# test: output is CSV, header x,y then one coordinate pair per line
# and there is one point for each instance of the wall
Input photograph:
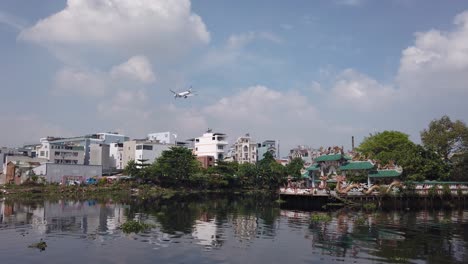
x,y
55,172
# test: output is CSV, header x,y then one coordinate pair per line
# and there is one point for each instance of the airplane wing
x,y
172,91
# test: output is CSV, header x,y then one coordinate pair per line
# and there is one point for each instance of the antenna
x,y
278,150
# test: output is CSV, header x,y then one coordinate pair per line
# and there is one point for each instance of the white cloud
x,y
123,26
437,63
350,2
85,82
136,68
82,82
27,129
358,91
12,21
234,49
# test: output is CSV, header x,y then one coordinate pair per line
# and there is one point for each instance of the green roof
x,y
384,173
332,157
357,165
305,174
440,182
314,167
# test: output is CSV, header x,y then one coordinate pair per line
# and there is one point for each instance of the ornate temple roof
x,y
332,157
384,173
357,165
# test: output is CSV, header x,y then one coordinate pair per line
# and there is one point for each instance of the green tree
x,y
446,137
248,175
294,168
131,169
177,165
418,163
385,146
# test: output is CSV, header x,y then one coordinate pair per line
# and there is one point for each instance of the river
x,y
226,229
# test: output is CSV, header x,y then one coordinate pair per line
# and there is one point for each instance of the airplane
x,y
183,94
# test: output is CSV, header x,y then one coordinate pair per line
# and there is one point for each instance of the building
x,y
206,161
245,150
266,146
59,152
100,155
307,154
61,173
332,163
116,154
163,137
142,151
83,141
210,144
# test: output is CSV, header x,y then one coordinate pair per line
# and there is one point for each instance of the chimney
x,y
352,143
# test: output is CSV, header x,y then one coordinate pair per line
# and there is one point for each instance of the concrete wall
x,y
55,172
100,155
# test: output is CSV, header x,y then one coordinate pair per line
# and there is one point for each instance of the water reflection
x,y
232,229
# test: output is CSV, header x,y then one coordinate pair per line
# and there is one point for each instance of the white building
x,y
245,150
266,146
100,155
163,137
112,137
210,144
60,153
116,154
142,151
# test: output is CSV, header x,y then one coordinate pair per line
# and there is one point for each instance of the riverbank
x,y
116,191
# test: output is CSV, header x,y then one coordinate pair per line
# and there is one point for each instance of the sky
x,y
303,72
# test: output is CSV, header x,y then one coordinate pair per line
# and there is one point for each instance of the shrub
x,y
134,226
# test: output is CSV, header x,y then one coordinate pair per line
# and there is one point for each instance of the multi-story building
x,y
60,153
116,154
266,146
100,155
210,144
163,137
84,141
307,154
142,151
245,150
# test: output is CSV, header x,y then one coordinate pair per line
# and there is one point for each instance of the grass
x,y
320,218
133,226
369,206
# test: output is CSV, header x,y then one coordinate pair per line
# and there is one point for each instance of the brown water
x,y
226,230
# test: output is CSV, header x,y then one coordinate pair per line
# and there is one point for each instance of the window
x,y
220,147
213,138
196,149
147,147
138,147
197,140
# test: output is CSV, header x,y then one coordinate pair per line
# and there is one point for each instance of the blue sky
x,y
303,72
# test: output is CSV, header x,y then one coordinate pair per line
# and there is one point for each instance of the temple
x,y
334,166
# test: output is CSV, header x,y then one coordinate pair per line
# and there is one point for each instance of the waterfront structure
x,y
266,146
245,150
143,151
210,144
61,173
333,165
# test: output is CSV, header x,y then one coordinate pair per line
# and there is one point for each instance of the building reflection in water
x,y
76,217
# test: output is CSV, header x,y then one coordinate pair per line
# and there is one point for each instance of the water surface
x,y
226,229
